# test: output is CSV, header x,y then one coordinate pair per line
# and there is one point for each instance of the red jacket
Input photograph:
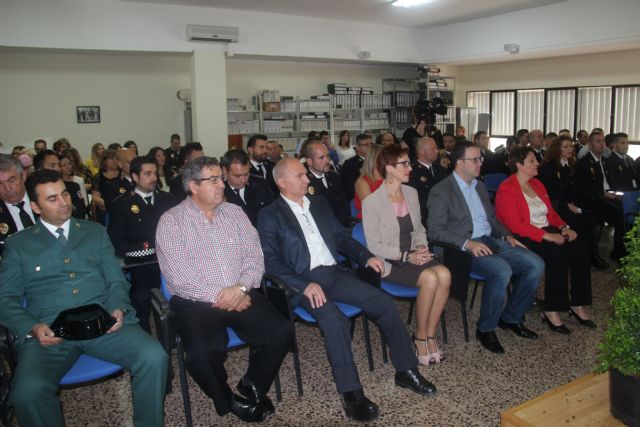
x,y
512,209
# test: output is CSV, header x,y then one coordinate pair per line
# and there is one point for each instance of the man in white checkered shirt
x,y
211,258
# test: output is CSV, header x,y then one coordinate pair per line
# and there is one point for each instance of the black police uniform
x,y
333,193
79,208
7,224
423,179
132,229
589,182
175,187
173,159
255,174
623,173
349,173
257,195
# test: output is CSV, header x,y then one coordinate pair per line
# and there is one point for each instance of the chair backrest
x,y
493,180
352,207
357,232
163,286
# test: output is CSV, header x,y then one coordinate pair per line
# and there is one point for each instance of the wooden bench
x,y
582,402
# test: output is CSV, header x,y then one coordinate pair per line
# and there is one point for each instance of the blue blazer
x,y
286,255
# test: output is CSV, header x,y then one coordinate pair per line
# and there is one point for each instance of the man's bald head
x,y
124,157
283,167
427,150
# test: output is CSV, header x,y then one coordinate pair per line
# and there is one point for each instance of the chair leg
x,y
410,316
473,296
385,358
443,325
296,363
183,382
353,327
465,326
367,340
276,384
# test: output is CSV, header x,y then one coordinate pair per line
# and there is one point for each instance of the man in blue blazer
x,y
301,239
57,264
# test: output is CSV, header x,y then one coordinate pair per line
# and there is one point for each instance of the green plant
x,y
620,348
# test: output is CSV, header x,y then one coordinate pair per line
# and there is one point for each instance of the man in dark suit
x,y
460,213
57,264
48,159
325,182
300,240
351,168
15,207
594,185
132,229
190,151
251,196
426,172
260,167
172,153
536,141
622,170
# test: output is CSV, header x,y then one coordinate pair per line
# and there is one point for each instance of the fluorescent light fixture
x,y
409,3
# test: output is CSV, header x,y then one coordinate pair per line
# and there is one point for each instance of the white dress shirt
x,y
15,212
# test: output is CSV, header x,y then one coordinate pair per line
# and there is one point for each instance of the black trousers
x,y
610,211
583,224
570,259
143,279
340,285
202,328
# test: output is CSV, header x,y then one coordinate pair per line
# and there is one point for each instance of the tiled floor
x,y
474,386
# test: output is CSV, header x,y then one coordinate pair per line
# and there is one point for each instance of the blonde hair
x,y
369,165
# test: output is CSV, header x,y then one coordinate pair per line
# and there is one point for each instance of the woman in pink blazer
x,y
524,207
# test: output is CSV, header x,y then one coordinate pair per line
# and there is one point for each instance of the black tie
x,y
260,169
149,199
61,237
237,191
430,169
24,216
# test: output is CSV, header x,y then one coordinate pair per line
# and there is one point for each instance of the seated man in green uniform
x,y
57,264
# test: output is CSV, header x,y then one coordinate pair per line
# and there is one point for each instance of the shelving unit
x,y
298,116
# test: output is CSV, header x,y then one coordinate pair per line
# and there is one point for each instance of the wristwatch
x,y
244,289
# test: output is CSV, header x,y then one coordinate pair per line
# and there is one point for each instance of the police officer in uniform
x,y
250,195
324,182
426,171
260,168
594,184
350,171
132,229
15,207
624,176
172,153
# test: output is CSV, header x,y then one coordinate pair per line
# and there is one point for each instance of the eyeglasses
x,y
215,179
473,159
404,163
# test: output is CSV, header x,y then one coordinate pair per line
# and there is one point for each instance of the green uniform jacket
x,y
52,276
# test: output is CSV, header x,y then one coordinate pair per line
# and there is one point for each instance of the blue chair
x,y
279,293
630,206
396,291
162,313
492,181
352,208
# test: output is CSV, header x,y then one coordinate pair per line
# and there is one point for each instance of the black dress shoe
x,y
414,381
246,410
599,263
561,329
584,322
519,329
489,340
247,388
358,407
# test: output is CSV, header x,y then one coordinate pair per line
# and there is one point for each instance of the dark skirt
x,y
407,274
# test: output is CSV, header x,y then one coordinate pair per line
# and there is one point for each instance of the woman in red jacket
x,y
524,207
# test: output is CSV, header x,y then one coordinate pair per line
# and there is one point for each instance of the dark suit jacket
x,y
623,174
175,187
334,194
589,179
132,226
286,255
254,175
423,181
79,208
559,182
257,195
7,224
450,219
350,172
54,277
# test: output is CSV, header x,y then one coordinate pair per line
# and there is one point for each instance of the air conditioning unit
x,y
211,33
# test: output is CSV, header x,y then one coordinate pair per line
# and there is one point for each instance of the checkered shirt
x,y
199,258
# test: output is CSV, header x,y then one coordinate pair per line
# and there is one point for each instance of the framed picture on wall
x,y
88,114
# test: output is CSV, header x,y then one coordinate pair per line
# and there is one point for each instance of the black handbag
x,y
82,323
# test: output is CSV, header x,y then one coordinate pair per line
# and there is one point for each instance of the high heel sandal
x,y
437,355
423,359
584,322
561,329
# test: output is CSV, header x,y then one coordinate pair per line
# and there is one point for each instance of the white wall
x,y
246,77
136,93
612,68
